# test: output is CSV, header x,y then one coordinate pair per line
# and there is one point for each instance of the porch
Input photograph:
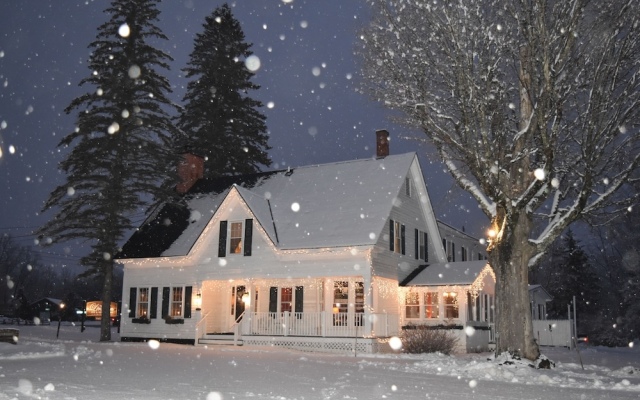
x,y
311,331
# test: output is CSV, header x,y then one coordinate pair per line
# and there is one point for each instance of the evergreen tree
x,y
121,144
572,275
222,121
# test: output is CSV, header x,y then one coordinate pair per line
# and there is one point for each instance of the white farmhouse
x,y
333,257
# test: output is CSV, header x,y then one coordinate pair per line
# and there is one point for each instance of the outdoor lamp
x,y
198,300
246,299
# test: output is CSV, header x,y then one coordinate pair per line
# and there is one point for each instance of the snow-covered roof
x,y
329,205
449,273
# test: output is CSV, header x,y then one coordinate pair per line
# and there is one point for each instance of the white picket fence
x,y
553,332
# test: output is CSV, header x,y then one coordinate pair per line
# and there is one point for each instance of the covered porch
x,y
294,310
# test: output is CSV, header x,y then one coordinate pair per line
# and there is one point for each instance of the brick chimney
x,y
382,143
190,169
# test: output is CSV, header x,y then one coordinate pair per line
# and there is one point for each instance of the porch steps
x,y
219,340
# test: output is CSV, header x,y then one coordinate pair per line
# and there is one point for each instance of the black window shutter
x,y
153,313
402,238
187,301
453,252
417,253
166,292
222,240
132,302
426,246
391,237
299,300
273,299
248,235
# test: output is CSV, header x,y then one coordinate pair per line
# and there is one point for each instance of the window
x,y
431,305
396,237
176,302
407,186
235,237
143,303
449,249
450,304
340,302
286,299
422,251
412,305
359,303
463,253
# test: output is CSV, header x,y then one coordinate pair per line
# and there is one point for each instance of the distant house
x,y
539,297
46,309
332,257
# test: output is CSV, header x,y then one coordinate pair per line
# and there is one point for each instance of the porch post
x,y
368,305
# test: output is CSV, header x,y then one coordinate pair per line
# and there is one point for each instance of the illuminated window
x,y
143,302
340,302
286,299
450,304
412,305
176,302
431,305
359,303
235,238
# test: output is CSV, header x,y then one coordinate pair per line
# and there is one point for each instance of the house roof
x,y
328,205
540,289
449,273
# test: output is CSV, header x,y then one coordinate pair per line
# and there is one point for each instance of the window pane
x,y
396,237
143,302
235,240
176,302
340,302
412,305
431,305
450,305
286,297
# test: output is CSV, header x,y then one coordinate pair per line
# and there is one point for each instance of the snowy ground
x,y
75,366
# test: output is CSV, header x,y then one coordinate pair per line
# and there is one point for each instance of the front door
x,y
237,304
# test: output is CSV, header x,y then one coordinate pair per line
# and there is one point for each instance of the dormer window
x,y
235,237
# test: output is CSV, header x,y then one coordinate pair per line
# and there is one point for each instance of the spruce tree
x,y
222,122
573,275
120,158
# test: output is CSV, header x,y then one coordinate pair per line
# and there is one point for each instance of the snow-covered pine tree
x,y
571,274
219,118
120,158
534,108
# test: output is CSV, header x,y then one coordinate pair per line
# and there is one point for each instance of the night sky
x,y
308,72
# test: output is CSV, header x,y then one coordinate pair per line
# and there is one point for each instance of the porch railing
x,y
319,324
201,327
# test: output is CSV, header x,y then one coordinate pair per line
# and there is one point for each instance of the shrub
x,y
426,339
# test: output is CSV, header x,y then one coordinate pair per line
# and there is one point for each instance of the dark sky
x,y
308,71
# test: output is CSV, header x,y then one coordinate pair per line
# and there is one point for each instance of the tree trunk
x,y
509,258
107,288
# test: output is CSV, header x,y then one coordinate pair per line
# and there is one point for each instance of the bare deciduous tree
x,y
533,107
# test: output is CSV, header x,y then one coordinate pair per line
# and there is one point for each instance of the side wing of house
x,y
459,246
410,236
